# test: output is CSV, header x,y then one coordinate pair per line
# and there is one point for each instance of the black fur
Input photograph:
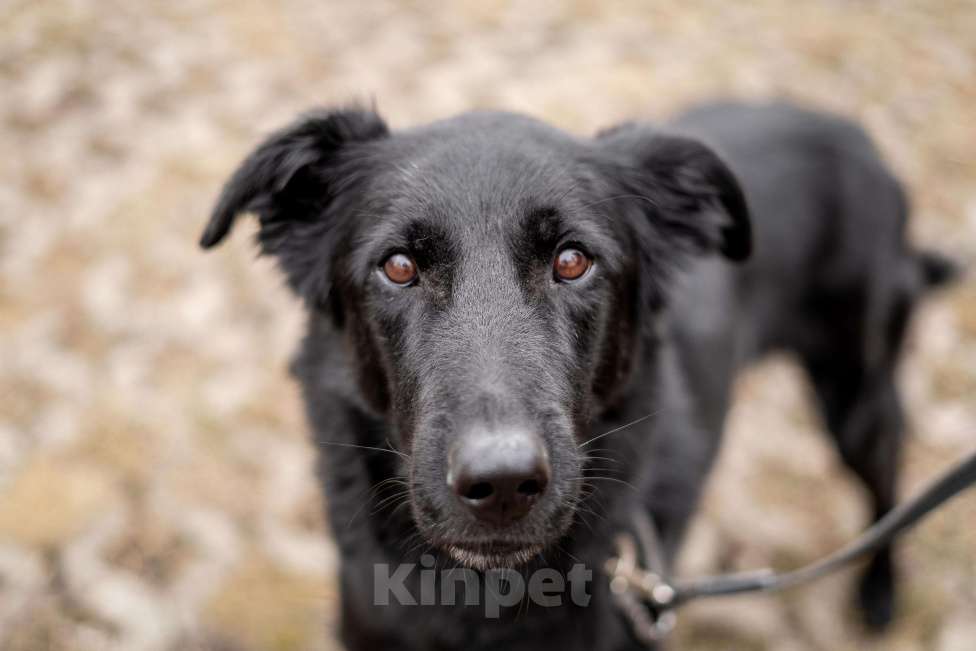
x,y
487,335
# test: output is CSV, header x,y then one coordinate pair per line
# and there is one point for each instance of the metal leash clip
x,y
644,596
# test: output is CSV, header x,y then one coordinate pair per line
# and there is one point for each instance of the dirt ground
x,y
155,483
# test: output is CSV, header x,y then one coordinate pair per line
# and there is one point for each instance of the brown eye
x,y
400,269
571,264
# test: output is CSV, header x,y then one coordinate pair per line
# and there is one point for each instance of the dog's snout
x,y
499,476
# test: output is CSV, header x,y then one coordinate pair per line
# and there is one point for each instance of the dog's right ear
x,y
299,182
263,184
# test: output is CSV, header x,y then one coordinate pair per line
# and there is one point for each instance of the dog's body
x,y
831,278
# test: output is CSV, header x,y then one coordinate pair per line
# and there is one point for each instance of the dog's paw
x,y
876,593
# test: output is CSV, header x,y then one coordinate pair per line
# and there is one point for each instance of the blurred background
x,y
155,480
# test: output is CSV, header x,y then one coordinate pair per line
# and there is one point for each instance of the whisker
x,y
587,510
412,543
371,492
580,516
602,469
422,543
613,479
592,457
617,429
563,550
365,447
392,449
609,451
405,502
390,499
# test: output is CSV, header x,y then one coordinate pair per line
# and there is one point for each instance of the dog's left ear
x,y
696,200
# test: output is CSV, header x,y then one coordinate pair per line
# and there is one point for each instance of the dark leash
x,y
648,598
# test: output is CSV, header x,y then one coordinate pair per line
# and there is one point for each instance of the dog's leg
x,y
864,415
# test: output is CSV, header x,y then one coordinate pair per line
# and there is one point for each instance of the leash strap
x,y
661,596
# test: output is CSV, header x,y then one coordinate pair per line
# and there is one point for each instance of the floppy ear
x,y
693,199
294,182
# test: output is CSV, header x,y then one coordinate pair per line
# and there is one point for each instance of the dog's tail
x,y
935,270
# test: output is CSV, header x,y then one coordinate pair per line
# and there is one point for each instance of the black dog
x,y
487,296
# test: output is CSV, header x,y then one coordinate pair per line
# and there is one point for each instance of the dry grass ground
x,y
155,485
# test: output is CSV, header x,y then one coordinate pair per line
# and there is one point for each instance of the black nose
x,y
499,476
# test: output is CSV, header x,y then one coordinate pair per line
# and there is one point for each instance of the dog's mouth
x,y
493,554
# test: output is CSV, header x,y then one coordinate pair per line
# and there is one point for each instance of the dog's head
x,y
491,276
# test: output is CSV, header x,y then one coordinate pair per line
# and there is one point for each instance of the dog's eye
x,y
400,269
571,264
